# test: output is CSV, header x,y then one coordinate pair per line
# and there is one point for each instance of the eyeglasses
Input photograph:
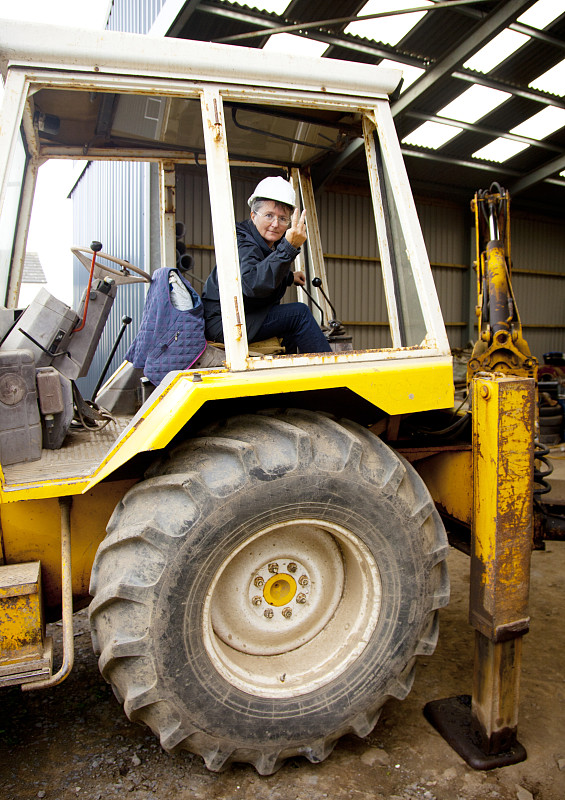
x,y
274,217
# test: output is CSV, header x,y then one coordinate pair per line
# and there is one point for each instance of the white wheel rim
x,y
291,608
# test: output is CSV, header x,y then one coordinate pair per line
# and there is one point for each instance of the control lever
x,y
125,322
317,282
320,309
336,326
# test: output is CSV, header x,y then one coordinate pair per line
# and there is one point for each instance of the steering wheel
x,y
123,275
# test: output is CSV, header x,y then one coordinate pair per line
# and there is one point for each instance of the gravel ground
x,y
74,741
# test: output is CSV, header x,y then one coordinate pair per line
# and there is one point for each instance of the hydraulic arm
x,y
500,345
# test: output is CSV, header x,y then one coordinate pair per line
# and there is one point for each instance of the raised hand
x,y
296,234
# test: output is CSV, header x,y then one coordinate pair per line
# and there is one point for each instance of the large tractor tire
x,y
267,588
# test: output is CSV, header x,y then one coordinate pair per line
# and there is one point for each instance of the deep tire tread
x,y
247,446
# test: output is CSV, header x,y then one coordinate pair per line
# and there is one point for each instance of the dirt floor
x,y
74,741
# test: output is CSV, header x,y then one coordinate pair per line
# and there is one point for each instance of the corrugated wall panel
x,y
193,208
447,228
111,200
133,16
538,247
355,282
354,275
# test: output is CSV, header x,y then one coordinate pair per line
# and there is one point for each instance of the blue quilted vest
x,y
168,339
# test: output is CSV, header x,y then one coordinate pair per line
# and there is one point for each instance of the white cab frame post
x,y
416,249
167,199
223,226
369,130
18,257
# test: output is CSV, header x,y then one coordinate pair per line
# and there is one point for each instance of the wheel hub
x,y
267,602
291,608
285,592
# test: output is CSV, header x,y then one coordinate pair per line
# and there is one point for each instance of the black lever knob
x,y
96,246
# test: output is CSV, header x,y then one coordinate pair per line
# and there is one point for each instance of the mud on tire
x,y
267,588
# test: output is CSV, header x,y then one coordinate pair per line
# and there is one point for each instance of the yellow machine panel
x,y
24,655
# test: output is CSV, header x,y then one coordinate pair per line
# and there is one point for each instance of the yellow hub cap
x,y
280,589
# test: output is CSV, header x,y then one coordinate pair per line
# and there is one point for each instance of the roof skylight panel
x,y
294,45
542,13
473,104
270,6
432,135
388,30
500,150
541,124
496,51
552,81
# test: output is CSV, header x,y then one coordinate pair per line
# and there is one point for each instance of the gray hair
x,y
259,202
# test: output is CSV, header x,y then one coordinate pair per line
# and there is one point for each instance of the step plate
x,y
28,670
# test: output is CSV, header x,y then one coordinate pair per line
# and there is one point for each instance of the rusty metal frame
x,y
483,728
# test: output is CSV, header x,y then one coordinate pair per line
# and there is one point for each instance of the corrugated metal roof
x,y
431,45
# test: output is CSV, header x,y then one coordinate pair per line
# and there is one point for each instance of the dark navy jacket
x,y
265,276
168,339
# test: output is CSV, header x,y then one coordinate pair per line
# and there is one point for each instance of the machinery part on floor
x,y
289,524
501,346
550,418
65,504
503,448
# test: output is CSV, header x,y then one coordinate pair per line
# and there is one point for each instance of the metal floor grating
x,y
79,456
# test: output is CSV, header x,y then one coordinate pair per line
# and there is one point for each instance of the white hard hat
x,y
274,189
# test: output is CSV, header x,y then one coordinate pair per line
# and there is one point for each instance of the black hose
x,y
540,475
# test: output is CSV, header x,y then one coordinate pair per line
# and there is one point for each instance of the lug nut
x,y
287,613
257,600
268,612
259,581
273,567
303,580
291,567
300,598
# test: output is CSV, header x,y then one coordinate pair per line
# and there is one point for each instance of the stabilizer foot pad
x,y
452,719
